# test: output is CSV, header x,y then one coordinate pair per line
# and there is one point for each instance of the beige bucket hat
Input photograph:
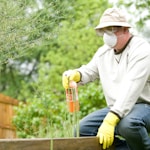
x,y
111,17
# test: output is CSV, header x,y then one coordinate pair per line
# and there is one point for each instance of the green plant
x,y
44,116
91,98
74,45
38,116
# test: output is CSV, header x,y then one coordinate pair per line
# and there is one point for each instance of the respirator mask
x,y
110,39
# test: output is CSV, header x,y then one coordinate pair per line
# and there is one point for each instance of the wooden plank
x,y
8,100
7,129
81,143
7,133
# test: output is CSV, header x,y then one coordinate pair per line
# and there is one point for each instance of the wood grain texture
x,y
7,129
81,143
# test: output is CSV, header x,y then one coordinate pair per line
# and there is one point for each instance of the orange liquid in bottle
x,y
72,97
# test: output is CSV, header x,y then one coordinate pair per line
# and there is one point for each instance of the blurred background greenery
x,y
40,39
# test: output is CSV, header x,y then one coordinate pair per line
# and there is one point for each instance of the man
x,y
123,66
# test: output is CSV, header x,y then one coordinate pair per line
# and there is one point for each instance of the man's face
x,y
121,36
119,32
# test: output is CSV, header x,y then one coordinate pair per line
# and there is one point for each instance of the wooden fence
x,y
7,130
81,143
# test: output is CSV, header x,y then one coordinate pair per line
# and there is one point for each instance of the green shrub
x,y
44,116
91,98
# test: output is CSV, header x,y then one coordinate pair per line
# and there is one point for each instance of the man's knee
x,y
129,125
87,129
82,130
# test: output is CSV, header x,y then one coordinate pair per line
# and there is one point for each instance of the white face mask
x,y
110,39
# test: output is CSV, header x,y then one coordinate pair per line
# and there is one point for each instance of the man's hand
x,y
70,75
106,130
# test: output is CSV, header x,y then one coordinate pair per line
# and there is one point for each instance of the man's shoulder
x,y
139,45
102,50
137,40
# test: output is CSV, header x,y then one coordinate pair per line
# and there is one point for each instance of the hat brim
x,y
108,24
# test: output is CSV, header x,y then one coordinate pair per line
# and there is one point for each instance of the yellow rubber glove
x,y
106,130
70,75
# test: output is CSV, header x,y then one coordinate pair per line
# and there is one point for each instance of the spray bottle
x,y
72,97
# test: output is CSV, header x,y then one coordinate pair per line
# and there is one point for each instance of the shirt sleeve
x,y
90,71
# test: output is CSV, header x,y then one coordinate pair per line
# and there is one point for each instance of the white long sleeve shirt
x,y
125,77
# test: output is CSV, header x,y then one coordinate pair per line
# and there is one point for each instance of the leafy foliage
x,y
38,43
72,46
26,30
40,116
91,98
139,14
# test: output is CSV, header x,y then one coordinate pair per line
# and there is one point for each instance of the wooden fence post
x,y
7,130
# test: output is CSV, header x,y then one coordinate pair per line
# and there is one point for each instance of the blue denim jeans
x,y
134,127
